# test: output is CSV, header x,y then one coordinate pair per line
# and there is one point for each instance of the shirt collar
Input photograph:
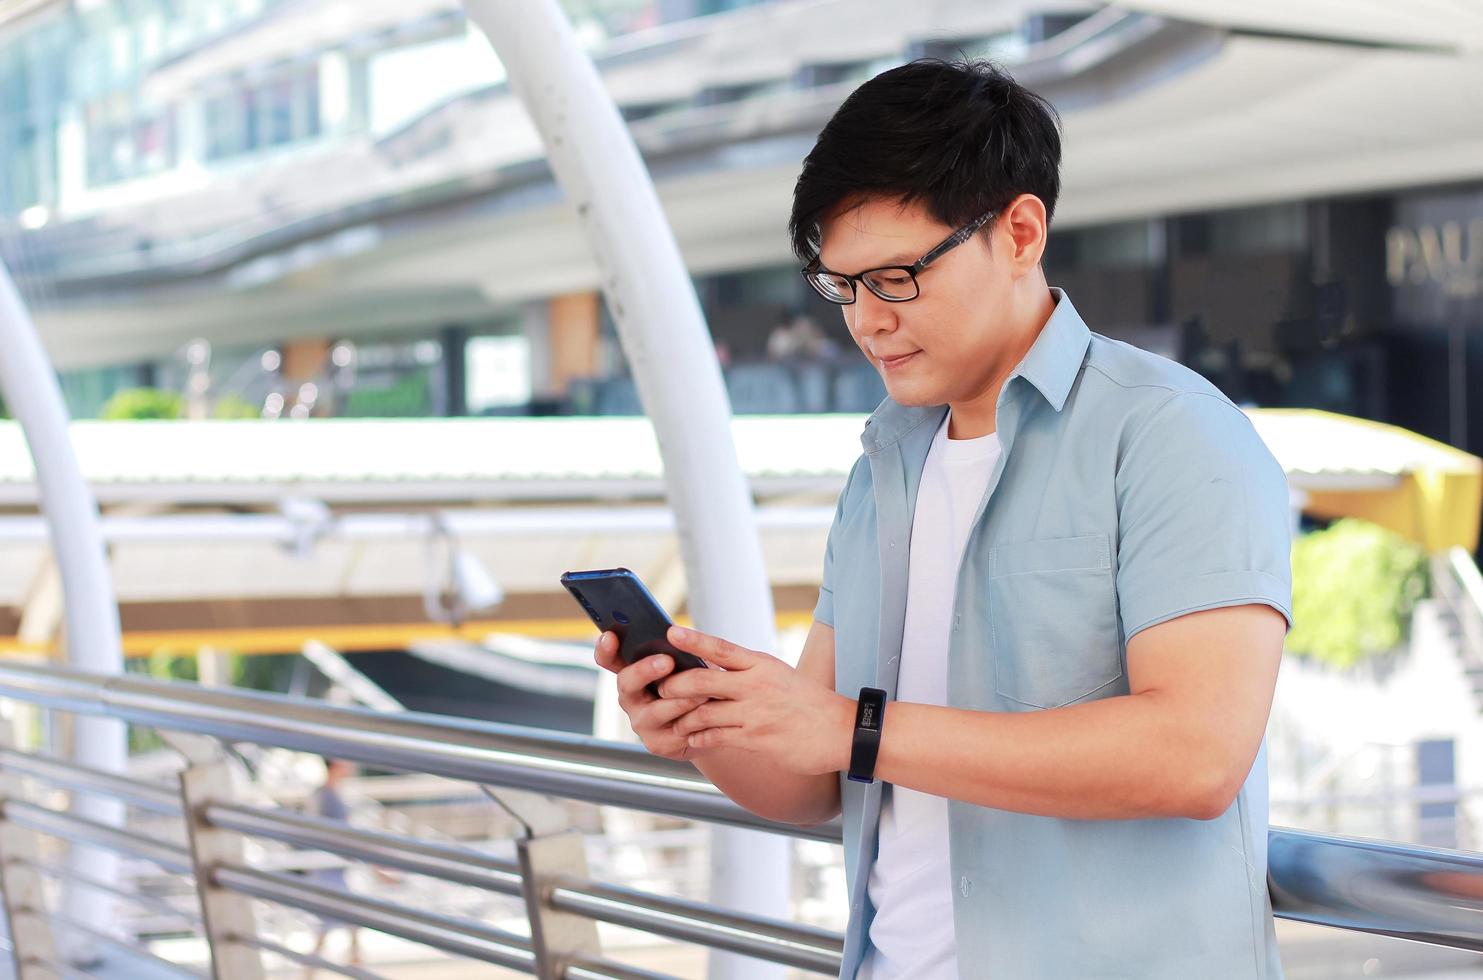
x,y
1055,359
1051,366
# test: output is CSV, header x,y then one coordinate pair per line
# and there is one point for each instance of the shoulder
x,y
1113,364
1168,416
1153,394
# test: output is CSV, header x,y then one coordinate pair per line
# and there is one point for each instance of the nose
x,y
873,315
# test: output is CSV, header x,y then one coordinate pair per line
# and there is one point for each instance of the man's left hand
x,y
760,705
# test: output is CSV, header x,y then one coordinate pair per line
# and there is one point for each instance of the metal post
x,y
556,937
31,944
1457,382
669,349
93,641
226,915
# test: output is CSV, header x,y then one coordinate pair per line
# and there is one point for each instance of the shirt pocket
x,y
1053,619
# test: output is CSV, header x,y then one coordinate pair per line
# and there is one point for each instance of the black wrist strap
x,y
870,713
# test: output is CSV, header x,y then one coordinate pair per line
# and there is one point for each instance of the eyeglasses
x,y
892,283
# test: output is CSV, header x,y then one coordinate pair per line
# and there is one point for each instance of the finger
x,y
633,680
663,711
711,714
606,652
712,649
716,738
700,683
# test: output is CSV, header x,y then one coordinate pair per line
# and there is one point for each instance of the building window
x,y
498,372
1130,243
126,141
1274,228
280,112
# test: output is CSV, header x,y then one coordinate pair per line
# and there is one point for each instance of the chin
x,y
914,396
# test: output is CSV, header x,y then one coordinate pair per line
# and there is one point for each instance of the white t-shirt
x,y
912,935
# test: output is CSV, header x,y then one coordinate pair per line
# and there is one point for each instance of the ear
x,y
1025,225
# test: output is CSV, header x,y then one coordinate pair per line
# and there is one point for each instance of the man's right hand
x,y
652,718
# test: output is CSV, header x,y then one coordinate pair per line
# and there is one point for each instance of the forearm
x,y
768,791
1120,758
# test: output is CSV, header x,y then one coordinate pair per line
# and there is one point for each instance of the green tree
x,y
249,671
234,407
1354,587
143,403
408,397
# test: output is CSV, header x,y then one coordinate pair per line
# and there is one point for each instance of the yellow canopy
x,y
1425,490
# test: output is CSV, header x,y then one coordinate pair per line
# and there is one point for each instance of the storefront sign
x,y
1448,255
1434,259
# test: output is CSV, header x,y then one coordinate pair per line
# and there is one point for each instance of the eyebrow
x,y
900,258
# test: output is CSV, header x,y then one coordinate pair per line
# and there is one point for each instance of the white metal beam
x,y
668,346
93,638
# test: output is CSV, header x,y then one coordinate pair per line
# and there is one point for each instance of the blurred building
x,y
348,196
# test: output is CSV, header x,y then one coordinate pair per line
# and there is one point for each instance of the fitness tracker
x,y
869,714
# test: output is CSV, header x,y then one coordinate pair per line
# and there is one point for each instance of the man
x,y
1063,560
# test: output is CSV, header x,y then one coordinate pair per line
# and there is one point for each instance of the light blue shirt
x,y
1130,491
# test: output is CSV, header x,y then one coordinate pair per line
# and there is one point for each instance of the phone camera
x,y
618,617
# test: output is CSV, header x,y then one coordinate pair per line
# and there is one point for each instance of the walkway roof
x,y
1430,492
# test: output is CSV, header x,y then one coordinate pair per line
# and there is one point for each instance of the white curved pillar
x,y
92,639
668,346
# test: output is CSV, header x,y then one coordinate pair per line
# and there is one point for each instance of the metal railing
x,y
1426,894
1458,583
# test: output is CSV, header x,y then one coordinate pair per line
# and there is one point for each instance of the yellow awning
x,y
1424,490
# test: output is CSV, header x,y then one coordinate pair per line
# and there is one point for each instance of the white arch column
x,y
665,338
93,642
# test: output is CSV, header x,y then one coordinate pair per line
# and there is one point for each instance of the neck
x,y
978,415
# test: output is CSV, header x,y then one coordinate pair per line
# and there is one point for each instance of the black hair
x,y
958,137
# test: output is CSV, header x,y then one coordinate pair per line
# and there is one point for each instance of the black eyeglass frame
x,y
936,252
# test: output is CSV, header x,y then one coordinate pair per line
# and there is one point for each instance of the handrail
x,y
463,865
151,902
1465,595
73,776
554,763
98,935
461,936
1427,894
779,942
81,830
306,959
771,939
1467,574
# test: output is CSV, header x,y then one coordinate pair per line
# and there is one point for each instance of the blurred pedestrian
x,y
329,802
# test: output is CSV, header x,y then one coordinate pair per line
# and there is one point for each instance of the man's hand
x,y
761,706
652,718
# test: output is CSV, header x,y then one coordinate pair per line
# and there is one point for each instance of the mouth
x,y
891,363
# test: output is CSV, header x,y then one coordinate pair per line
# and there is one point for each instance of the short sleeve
x,y
1204,518
824,608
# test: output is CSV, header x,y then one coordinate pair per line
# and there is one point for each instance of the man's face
x,y
949,344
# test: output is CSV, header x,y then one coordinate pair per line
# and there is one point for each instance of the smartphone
x,y
617,601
